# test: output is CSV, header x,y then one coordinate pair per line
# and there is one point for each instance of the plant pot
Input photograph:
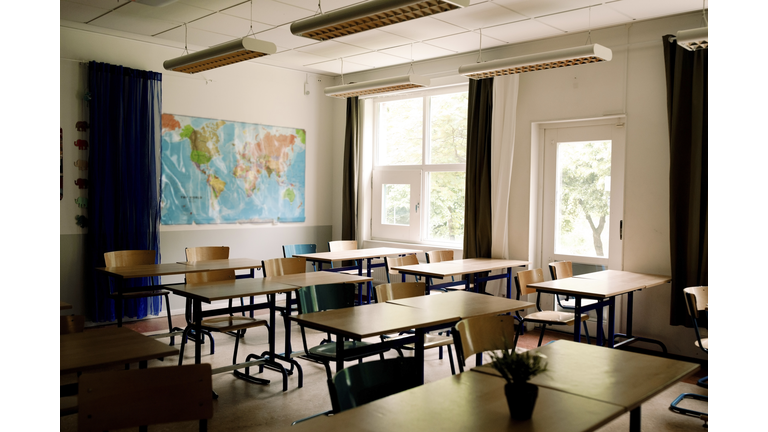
x,y
521,399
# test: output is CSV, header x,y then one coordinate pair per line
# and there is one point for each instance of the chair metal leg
x,y
689,412
541,336
450,359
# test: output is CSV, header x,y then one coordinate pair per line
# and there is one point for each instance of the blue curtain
x,y
124,203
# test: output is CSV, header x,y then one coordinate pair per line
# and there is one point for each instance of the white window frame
x,y
392,173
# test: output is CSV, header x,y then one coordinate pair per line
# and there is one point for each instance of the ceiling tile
x,y
422,29
175,12
269,12
101,4
373,39
332,49
465,42
646,9
126,20
292,58
584,19
212,5
521,31
479,16
195,37
334,66
418,51
78,12
228,24
376,59
537,8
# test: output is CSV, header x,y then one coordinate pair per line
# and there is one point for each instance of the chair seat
x,y
329,349
141,294
554,317
704,343
233,323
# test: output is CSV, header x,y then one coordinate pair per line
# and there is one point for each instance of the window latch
x,y
417,207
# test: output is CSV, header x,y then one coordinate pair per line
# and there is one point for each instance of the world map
x,y
217,171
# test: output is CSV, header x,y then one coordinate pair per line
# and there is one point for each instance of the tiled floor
x,y
245,406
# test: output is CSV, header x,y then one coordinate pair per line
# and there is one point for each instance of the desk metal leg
x,y
196,321
634,420
630,338
119,302
418,353
577,326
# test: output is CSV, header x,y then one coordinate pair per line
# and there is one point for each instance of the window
x,y
419,157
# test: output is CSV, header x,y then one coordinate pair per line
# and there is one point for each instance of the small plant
x,y
519,368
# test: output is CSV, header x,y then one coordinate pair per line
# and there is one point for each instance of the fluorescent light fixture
x,y
369,15
385,85
539,61
221,55
693,39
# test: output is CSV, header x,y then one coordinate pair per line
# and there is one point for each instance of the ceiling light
x,y
540,61
385,85
221,55
693,39
369,15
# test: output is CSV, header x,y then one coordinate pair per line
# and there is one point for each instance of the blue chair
x,y
290,250
696,300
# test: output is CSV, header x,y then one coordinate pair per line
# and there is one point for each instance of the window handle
x,y
417,207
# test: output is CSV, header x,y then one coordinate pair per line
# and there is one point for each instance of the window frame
x,y
419,235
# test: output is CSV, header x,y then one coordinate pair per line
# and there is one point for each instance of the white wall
x,y
632,83
246,92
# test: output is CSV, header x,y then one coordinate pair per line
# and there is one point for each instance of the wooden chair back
x,y
342,245
480,334
400,261
561,269
139,397
204,253
439,255
283,266
125,258
526,277
399,290
696,300
72,324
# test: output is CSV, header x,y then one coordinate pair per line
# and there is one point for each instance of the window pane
x,y
400,132
448,128
446,206
396,205
583,198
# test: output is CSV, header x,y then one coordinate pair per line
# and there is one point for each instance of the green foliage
x,y
518,367
446,206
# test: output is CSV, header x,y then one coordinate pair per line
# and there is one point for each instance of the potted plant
x,y
518,369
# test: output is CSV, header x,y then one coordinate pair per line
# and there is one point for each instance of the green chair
x,y
318,298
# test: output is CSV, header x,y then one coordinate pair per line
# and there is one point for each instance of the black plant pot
x,y
521,398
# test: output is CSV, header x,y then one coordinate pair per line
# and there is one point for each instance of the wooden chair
x,y
344,245
545,318
318,298
696,302
290,250
280,267
141,397
399,290
126,258
232,324
399,261
472,336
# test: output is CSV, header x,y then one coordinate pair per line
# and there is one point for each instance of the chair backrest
x,y
696,300
121,399
481,334
439,255
290,250
203,253
399,261
526,277
342,245
561,269
283,266
399,290
129,257
316,298
366,382
72,324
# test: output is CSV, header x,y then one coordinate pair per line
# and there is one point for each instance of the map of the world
x,y
217,171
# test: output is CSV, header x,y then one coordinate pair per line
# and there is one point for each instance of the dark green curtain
x,y
686,73
124,200
477,217
349,174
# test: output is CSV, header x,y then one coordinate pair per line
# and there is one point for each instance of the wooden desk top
x,y
65,306
464,304
619,276
355,254
466,402
208,292
609,375
168,269
460,267
318,278
108,346
593,288
373,319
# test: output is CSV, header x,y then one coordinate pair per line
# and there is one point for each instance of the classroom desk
x,y
170,269
618,377
604,287
358,255
65,306
423,314
468,401
207,292
471,266
106,347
